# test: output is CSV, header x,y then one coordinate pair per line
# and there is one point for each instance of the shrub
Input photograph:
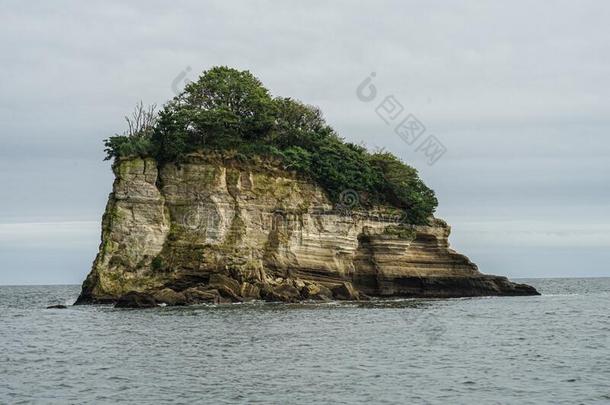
x,y
122,145
136,140
403,188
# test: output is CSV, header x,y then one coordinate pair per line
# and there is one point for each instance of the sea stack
x,y
228,194
212,229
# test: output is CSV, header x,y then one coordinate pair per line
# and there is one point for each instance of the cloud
x,y
61,235
517,92
511,233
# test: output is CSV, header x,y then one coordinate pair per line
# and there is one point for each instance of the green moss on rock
x,y
400,231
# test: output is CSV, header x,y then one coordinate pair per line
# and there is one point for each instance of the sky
x,y
517,93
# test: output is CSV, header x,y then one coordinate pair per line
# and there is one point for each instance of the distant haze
x,y
517,92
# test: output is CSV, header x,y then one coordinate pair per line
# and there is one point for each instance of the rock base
x,y
223,289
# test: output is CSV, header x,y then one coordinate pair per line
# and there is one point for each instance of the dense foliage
x,y
227,109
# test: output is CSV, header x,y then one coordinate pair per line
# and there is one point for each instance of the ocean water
x,y
520,350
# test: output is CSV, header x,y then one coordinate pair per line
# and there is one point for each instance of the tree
x,y
298,124
227,102
142,121
230,111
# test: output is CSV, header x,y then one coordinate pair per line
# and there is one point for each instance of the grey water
x,y
551,348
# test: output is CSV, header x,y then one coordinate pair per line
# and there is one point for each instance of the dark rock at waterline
x,y
204,295
228,287
170,297
450,287
283,292
345,291
135,299
224,289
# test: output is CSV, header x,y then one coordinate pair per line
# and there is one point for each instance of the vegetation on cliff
x,y
230,110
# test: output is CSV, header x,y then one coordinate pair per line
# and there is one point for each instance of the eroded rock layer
x,y
209,230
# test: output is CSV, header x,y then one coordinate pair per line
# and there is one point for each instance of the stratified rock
x,y
226,286
218,225
250,292
135,299
314,291
201,295
170,297
284,292
345,291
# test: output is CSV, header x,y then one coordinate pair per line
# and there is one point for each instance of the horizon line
x,y
511,278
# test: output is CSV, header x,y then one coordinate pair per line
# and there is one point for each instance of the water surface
x,y
547,349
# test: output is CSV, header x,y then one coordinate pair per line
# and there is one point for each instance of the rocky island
x,y
229,195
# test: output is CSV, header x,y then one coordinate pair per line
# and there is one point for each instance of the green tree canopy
x,y
227,109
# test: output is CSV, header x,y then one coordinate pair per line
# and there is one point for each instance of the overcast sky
x,y
518,93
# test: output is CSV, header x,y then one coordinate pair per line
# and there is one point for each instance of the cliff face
x,y
211,231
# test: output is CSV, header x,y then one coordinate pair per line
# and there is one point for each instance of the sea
x,y
548,349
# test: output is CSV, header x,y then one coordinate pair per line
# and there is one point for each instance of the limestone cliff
x,y
211,230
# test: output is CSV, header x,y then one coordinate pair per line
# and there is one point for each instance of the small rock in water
x,y
58,306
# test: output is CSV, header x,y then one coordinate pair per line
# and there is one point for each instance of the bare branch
x,y
142,121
